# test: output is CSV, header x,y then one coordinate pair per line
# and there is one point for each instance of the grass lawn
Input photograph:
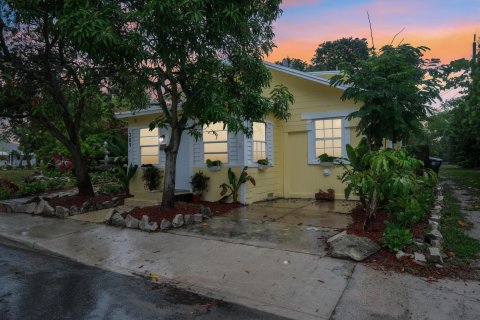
x,y
465,178
17,175
452,226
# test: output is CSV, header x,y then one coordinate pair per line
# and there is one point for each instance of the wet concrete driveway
x,y
299,225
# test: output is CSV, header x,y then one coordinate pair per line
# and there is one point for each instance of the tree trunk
x,y
80,169
171,152
29,160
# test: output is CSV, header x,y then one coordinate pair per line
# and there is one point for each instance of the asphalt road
x,y
38,286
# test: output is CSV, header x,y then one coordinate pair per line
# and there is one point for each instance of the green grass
x,y
465,178
17,175
455,238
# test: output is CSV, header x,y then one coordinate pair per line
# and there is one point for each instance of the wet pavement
x,y
300,225
38,286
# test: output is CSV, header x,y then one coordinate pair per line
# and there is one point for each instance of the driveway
x,y
300,225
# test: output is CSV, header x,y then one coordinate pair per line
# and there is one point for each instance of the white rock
x,y
435,218
74,210
178,221
436,243
197,217
48,210
434,235
335,237
61,212
349,246
145,225
117,220
40,206
165,224
131,222
434,255
188,218
419,258
433,224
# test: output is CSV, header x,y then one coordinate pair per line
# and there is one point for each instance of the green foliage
x,y
103,176
395,88
396,237
152,177
331,54
233,188
32,188
4,193
294,63
326,158
199,182
215,163
263,162
124,174
111,189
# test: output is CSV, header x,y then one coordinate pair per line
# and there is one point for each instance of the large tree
x,y
46,78
204,64
395,88
330,54
293,63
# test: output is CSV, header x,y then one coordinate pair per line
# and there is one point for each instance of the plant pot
x,y
214,168
262,167
327,164
196,197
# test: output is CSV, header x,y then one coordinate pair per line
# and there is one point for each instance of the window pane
x,y
328,124
222,157
320,144
337,143
150,151
328,133
149,159
259,155
337,123
320,134
148,137
319,124
337,152
210,136
337,133
329,151
259,131
215,147
328,143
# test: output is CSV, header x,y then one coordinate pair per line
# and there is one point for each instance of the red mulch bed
x,y
156,214
386,261
78,200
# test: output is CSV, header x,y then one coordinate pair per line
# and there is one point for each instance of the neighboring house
x,y
10,155
317,125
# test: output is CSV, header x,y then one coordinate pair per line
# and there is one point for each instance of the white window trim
x,y
311,117
202,149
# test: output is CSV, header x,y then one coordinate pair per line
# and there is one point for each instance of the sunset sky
x,y
446,26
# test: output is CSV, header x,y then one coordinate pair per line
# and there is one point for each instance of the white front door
x,y
184,163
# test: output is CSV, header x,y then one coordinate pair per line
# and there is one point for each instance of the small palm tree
x,y
234,184
124,175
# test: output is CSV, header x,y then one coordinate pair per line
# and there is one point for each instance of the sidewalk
x,y
290,284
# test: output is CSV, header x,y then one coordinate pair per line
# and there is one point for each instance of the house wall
x,y
291,175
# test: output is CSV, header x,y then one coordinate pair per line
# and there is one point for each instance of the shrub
x,y
124,174
4,193
199,182
263,162
32,188
103,177
214,163
9,186
152,177
111,189
396,237
326,158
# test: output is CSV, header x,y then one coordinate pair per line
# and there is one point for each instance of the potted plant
x,y
199,183
263,164
215,165
325,160
151,177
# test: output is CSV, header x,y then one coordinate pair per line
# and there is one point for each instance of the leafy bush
x,y
111,189
124,174
152,177
326,158
9,186
103,177
32,188
4,193
396,237
263,162
234,184
214,163
199,182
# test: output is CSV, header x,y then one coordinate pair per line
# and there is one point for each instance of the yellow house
x,y
317,125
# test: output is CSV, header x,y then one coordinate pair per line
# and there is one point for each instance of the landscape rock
x,y
400,255
418,242
61,212
165,224
116,219
198,217
39,209
86,206
434,234
188,218
337,236
419,258
434,255
440,198
178,221
74,210
145,225
436,243
435,218
131,222
108,204
25,208
48,210
433,224
349,246
205,211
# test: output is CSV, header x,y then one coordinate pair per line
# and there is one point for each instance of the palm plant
x,y
124,175
232,189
